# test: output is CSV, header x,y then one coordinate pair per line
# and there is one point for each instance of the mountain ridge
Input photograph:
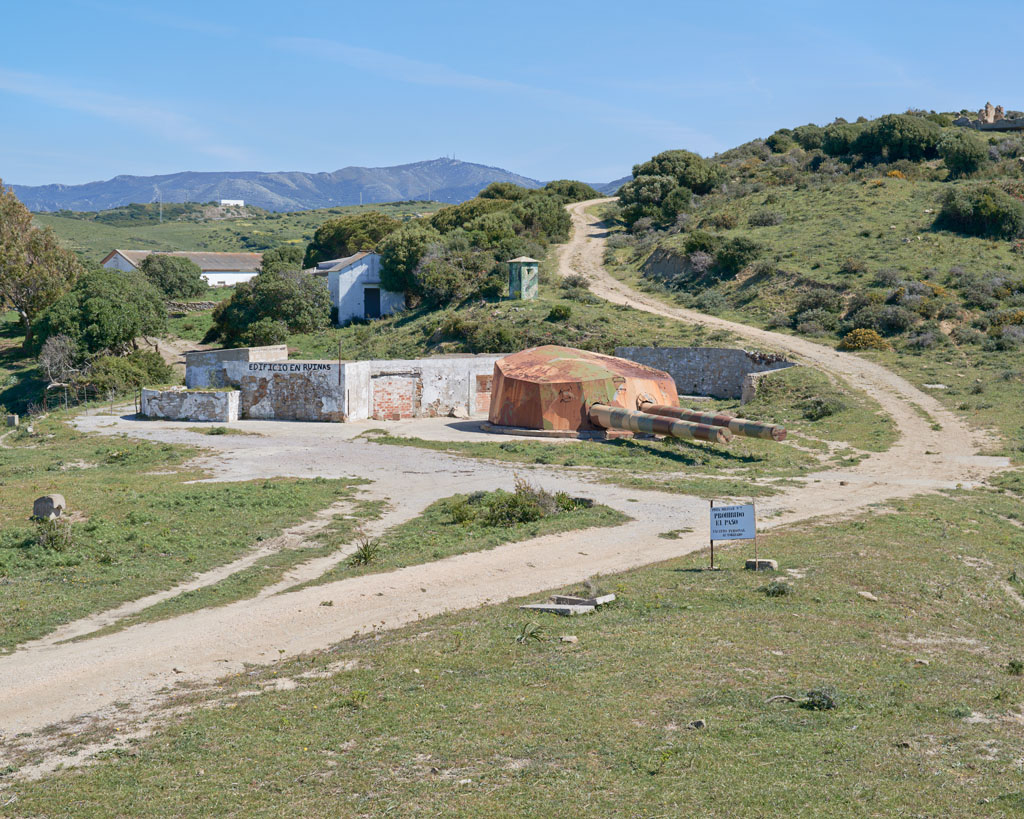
x,y
442,179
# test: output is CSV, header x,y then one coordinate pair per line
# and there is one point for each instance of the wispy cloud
x,y
135,114
419,72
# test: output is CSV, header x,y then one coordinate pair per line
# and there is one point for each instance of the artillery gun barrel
x,y
740,426
610,417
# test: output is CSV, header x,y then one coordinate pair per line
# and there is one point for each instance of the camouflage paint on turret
x,y
608,417
740,426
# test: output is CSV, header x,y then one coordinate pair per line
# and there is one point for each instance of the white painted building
x,y
219,269
232,203
354,284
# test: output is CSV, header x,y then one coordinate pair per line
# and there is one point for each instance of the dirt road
x,y
47,682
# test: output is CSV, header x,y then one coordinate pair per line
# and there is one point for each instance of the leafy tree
x,y
298,300
450,277
645,196
105,311
571,191
838,138
347,235
284,257
962,151
400,253
982,210
898,136
781,141
809,137
35,270
456,216
175,276
543,217
116,374
690,170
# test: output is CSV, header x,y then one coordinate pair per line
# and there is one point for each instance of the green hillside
x,y
94,235
921,263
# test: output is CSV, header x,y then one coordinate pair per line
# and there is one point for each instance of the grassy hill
x,y
828,245
94,234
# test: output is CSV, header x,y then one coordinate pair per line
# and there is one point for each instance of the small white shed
x,y
354,284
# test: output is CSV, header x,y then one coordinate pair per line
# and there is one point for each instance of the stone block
x,y
562,610
761,565
570,600
48,507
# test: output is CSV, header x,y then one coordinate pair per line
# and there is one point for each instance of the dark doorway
x,y
371,300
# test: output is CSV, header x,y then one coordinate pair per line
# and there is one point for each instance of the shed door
x,y
371,301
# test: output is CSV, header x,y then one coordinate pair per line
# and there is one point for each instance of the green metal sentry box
x,y
522,278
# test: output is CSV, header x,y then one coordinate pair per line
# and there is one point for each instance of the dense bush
x,y
401,252
662,187
298,300
962,151
737,253
346,235
449,277
982,210
503,190
898,136
571,191
809,137
105,311
838,138
863,339
781,141
279,259
765,218
174,276
117,374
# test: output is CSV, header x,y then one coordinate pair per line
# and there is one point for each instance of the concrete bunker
x,y
718,372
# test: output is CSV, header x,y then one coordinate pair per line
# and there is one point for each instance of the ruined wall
x,y
181,404
720,372
272,387
205,368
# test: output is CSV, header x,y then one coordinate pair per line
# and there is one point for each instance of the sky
x,y
91,89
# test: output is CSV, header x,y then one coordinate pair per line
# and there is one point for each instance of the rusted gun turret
x,y
739,426
563,389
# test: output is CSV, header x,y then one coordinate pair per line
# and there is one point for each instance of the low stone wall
x,y
720,372
175,307
182,404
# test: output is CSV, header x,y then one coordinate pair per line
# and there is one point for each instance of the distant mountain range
x,y
440,180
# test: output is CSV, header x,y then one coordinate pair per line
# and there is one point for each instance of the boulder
x,y
48,507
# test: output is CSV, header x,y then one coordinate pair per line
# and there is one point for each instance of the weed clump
x,y
821,699
366,552
1015,667
55,535
777,588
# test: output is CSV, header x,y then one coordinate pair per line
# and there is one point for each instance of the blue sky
x,y
94,88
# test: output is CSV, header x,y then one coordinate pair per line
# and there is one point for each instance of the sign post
x,y
732,523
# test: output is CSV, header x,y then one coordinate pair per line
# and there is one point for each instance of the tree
x,y
106,311
898,136
174,276
400,253
645,196
503,190
298,300
346,235
284,257
809,137
571,191
690,170
35,270
449,277
838,138
962,151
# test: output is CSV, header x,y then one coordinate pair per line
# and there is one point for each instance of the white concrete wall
x,y
346,288
228,278
181,404
205,368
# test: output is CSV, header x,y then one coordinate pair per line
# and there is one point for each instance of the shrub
x,y
284,257
560,312
821,699
838,139
982,210
962,151
510,508
736,254
781,141
824,319
265,332
400,253
765,218
777,588
809,137
575,281
898,136
174,276
863,339
724,220
299,301
571,191
117,374
699,261
853,266
816,408
55,535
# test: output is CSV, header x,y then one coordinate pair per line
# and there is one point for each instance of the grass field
x,y
129,499
93,239
454,716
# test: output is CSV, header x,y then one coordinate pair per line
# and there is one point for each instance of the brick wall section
x,y
483,393
721,372
395,397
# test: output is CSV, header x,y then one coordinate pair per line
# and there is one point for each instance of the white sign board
x,y
733,522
